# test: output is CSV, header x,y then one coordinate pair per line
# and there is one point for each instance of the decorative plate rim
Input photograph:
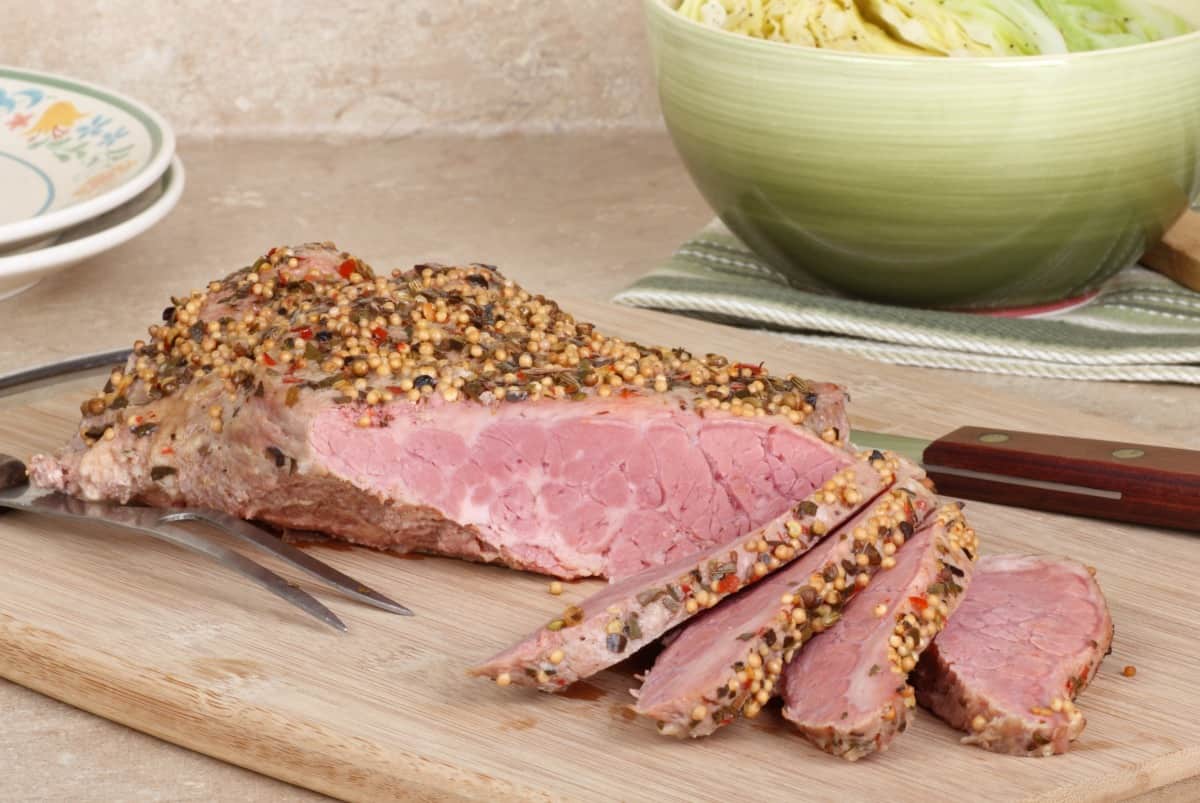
x,y
69,253
162,144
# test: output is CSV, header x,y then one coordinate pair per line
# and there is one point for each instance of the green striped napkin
x,y
1140,327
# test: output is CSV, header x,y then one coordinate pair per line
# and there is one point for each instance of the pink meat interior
x,y
1025,627
604,487
699,659
842,675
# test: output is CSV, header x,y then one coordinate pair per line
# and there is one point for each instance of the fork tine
x,y
15,493
261,575
257,536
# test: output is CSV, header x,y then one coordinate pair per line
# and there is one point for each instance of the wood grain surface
x,y
1178,255
149,636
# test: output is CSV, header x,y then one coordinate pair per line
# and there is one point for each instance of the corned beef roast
x,y
847,691
1025,642
727,663
446,409
631,613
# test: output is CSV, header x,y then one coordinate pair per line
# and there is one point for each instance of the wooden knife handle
x,y
1178,255
1152,485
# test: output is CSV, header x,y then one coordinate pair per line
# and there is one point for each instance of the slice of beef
x,y
1025,642
616,622
728,662
448,410
847,692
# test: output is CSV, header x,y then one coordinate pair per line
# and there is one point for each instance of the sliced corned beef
x,y
847,691
728,662
616,622
1025,642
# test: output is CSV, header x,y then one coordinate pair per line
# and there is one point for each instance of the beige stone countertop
x,y
569,215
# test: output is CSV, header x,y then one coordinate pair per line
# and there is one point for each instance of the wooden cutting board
x,y
162,641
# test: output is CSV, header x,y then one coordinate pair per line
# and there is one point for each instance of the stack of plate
x,y
82,170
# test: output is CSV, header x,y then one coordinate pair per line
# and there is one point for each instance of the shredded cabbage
x,y
942,27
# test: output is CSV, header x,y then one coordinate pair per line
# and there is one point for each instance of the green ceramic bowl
x,y
975,183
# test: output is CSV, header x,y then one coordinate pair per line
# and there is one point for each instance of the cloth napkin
x,y
1140,327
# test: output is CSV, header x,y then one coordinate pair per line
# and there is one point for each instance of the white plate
x,y
70,151
21,271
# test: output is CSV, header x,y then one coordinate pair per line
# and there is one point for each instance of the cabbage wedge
x,y
968,27
1104,24
1009,27
832,24
943,27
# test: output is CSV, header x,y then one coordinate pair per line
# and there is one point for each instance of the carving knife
x,y
1131,482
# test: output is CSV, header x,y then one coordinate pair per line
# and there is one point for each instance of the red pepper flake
x,y
687,589
919,603
271,253
292,380
266,358
395,389
1083,675
754,370
628,392
728,584
401,347
379,333
346,268
167,450
306,333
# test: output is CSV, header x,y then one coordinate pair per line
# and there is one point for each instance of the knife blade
x,y
1118,481
101,359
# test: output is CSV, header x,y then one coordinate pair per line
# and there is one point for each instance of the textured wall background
x,y
357,67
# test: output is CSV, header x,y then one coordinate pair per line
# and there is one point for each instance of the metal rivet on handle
x,y
1128,454
994,437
